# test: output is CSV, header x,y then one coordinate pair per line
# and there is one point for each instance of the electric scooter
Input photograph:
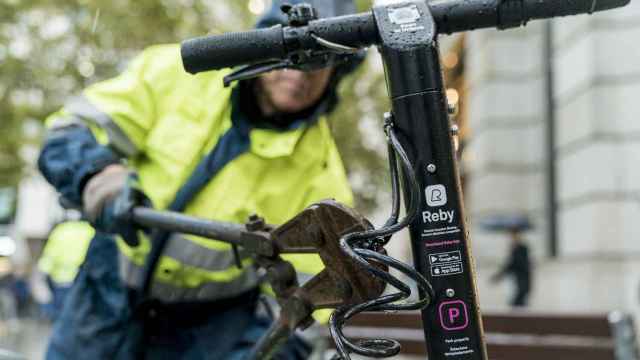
x,y
423,169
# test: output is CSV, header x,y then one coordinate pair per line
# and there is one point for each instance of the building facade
x,y
580,75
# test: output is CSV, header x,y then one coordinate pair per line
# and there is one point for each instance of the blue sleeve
x,y
69,157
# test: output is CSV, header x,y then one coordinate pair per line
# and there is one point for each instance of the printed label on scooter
x,y
445,258
440,231
458,347
404,15
406,18
445,264
447,269
454,317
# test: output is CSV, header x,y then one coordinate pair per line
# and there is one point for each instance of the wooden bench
x,y
518,335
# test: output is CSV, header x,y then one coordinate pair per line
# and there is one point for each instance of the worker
x,y
61,258
157,136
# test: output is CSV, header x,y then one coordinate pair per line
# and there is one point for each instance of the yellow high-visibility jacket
x,y
166,121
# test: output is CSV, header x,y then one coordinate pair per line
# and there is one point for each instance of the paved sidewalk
x,y
27,337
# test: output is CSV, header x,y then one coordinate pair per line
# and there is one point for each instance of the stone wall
x,y
596,66
505,159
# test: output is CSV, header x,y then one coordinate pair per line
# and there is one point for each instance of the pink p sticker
x,y
453,315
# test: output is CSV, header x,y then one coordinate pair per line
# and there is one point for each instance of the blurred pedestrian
x,y
517,266
62,255
518,263
156,135
14,294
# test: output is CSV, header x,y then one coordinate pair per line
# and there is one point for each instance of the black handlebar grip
x,y
536,9
463,15
231,49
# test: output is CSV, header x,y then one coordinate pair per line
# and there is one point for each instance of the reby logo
x,y
438,216
436,195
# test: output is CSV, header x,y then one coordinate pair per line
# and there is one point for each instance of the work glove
x,y
109,199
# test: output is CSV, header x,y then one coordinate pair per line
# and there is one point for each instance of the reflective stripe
x,y
63,122
304,277
61,126
130,273
195,256
84,109
208,290
192,254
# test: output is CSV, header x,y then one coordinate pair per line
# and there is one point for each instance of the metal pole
x,y
552,190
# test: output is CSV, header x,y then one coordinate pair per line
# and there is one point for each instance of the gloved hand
x,y
108,201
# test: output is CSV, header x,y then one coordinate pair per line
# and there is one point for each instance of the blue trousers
x,y
98,322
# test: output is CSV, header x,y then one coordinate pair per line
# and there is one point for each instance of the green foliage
x,y
357,127
51,49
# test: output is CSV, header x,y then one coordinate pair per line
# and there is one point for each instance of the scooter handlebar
x,y
360,30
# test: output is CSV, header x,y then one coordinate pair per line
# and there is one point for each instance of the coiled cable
x,y
363,247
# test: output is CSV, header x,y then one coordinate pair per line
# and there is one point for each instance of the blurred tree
x,y
50,50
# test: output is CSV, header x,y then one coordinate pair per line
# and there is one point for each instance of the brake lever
x,y
332,55
251,71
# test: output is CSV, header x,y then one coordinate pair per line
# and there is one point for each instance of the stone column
x,y
505,158
597,100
